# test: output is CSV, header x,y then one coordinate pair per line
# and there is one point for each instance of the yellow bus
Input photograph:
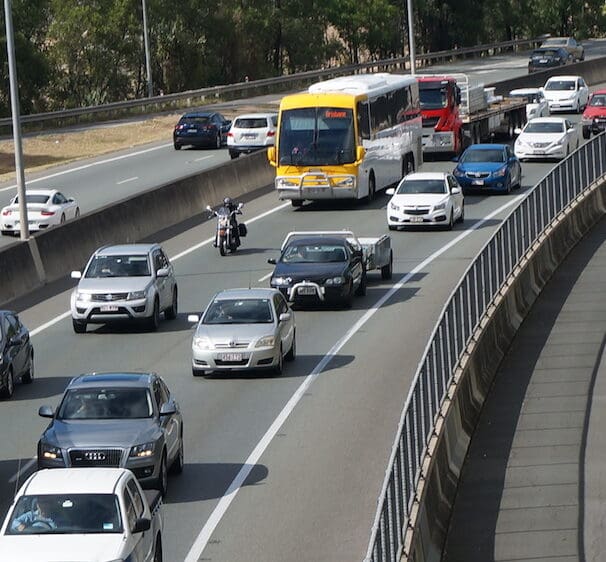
x,y
347,138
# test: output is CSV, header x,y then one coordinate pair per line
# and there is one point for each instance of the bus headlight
x,y
285,183
345,182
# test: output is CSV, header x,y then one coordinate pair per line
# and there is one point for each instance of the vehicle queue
x,y
137,421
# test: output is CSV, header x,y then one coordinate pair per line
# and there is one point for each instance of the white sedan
x,y
426,199
566,93
546,137
45,208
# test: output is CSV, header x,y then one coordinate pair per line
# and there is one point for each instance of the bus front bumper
x,y
317,185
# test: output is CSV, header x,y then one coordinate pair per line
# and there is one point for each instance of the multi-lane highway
x,y
276,468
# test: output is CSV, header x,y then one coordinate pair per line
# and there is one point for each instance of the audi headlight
x,y
50,452
267,341
202,342
501,172
280,281
84,297
143,450
439,207
394,207
335,281
136,295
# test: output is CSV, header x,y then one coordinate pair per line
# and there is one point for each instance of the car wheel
x,y
153,322
450,224
292,353
361,290
158,550
177,146
586,135
162,482
9,385
508,188
279,368
179,462
387,270
218,140
171,312
77,213
62,220
79,326
348,301
462,217
28,376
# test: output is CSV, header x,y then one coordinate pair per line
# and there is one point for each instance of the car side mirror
x,y
517,131
71,200
141,525
390,191
271,156
76,275
46,412
455,191
15,341
272,261
194,318
168,409
162,272
360,153
571,130
285,317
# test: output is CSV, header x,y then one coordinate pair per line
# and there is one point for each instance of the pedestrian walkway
x,y
533,487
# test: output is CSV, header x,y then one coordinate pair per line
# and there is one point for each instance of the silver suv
x,y
126,282
251,132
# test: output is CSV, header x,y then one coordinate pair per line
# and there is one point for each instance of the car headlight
x,y
84,297
50,452
136,295
501,172
394,207
267,341
143,450
202,342
345,182
335,281
281,281
458,173
439,207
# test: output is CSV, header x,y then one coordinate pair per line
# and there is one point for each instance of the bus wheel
x,y
371,188
296,202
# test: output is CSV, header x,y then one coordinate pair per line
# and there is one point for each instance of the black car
x,y
548,57
319,269
16,353
117,420
206,128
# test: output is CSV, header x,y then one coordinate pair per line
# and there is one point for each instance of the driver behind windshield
x,y
38,517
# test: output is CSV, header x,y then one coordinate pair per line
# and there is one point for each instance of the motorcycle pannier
x,y
242,230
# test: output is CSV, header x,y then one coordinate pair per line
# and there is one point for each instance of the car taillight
x,y
271,133
6,213
47,213
230,134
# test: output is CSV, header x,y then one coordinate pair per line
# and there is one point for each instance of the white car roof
x,y
73,481
547,120
48,192
254,115
558,78
426,176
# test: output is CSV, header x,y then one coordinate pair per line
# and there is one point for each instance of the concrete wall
x,y
52,254
426,535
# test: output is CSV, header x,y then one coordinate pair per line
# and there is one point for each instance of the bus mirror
x,y
271,155
360,153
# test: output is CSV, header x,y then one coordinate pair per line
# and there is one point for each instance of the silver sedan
x,y
244,329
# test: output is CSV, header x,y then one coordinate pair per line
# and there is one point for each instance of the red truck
x,y
594,116
456,114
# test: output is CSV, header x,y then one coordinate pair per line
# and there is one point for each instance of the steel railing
x,y
247,89
459,319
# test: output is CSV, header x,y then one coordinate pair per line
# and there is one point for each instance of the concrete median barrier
x,y
473,381
62,249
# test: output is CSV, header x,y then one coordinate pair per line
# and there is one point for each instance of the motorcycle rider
x,y
231,205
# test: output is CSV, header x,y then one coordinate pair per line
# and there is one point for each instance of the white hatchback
x,y
250,132
566,93
426,199
546,137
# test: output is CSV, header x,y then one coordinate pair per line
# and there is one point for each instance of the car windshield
x,y
421,186
35,199
558,85
57,514
250,123
432,98
544,127
105,404
598,100
103,266
485,155
314,253
239,311
317,136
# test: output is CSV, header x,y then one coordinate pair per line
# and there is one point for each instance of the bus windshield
x,y
317,136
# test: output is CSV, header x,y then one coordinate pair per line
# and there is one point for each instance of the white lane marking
x,y
202,158
127,180
265,277
23,470
50,323
205,534
90,165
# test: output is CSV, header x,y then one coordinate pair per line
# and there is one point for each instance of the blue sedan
x,y
485,167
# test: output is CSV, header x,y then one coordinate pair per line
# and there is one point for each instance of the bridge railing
x,y
459,320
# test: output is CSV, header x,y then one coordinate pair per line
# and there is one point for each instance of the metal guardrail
x,y
247,89
460,318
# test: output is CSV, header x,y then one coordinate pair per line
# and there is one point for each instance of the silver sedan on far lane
x,y
244,329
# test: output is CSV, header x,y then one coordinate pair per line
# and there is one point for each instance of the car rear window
x,y
197,120
251,123
39,199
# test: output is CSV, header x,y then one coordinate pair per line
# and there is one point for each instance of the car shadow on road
x,y
209,481
42,387
179,324
379,202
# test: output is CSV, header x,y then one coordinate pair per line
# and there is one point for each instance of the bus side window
x,y
363,120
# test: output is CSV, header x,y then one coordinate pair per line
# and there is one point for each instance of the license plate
x,y
543,60
477,182
306,290
539,152
231,357
250,135
416,219
314,190
108,308
192,130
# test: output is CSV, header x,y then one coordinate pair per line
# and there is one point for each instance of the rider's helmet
x,y
227,201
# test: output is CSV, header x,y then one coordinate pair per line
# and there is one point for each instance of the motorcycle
x,y
225,238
